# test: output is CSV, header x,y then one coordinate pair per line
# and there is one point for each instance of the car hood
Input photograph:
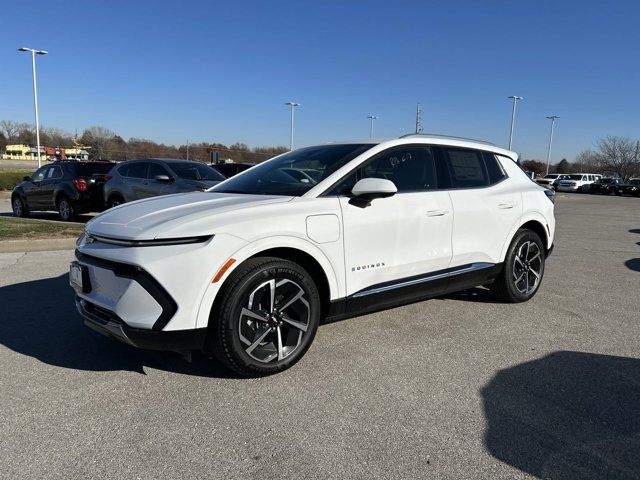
x,y
173,216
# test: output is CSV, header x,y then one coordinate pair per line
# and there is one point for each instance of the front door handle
x,y
437,213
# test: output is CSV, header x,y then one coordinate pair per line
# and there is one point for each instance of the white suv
x,y
248,269
577,182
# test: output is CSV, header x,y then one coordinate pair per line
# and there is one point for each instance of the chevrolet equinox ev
x,y
248,269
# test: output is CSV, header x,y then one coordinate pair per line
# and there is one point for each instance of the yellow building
x,y
19,152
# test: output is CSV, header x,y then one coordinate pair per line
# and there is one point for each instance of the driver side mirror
x,y
163,178
368,189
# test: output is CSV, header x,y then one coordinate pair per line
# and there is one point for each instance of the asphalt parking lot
x,y
456,387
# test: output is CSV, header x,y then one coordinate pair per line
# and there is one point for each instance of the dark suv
x,y
606,186
149,177
70,187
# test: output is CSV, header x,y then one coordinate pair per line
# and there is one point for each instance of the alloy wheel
x,y
64,209
17,207
527,267
274,321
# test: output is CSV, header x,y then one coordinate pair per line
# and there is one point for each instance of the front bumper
x,y
107,323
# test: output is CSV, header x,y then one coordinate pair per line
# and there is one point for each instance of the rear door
x,y
486,205
136,181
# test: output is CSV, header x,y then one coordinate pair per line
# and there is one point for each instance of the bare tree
x,y
619,155
10,129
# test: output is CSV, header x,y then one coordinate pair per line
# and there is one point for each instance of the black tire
x,y
238,340
65,209
19,207
506,286
114,201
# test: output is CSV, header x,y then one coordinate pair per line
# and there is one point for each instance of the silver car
x,y
150,177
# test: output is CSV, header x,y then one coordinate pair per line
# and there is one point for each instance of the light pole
x,y
35,93
372,118
553,122
293,106
515,98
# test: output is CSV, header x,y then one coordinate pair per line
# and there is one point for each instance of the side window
x,y
411,168
466,168
40,174
124,170
55,173
137,170
494,168
155,169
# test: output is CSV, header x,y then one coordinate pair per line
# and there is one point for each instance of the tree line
x,y
612,156
107,145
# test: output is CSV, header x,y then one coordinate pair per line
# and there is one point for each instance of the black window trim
x,y
440,164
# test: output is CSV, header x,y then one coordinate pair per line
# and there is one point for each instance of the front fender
x,y
336,287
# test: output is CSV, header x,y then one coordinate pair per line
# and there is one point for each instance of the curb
x,y
45,245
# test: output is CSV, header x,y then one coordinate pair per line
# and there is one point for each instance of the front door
x,y
396,239
35,197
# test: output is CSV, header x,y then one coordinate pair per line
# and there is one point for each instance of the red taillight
x,y
107,177
81,184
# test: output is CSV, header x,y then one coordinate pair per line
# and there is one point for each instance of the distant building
x,y
76,153
25,152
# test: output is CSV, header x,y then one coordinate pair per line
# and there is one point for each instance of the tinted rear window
x,y
133,170
494,168
88,169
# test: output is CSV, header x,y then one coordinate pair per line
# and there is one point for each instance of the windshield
x,y
575,177
605,180
195,171
552,175
294,173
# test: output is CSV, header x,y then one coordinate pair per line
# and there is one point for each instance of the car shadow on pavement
x,y
567,415
633,264
39,319
476,294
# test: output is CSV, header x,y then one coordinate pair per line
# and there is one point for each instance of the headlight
x,y
81,239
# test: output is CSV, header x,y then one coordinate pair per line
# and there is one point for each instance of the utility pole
x,y
35,93
187,149
372,118
293,105
553,122
515,98
418,118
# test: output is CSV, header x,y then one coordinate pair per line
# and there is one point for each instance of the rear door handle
x,y
506,205
437,213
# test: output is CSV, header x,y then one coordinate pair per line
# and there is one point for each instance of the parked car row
x,y
74,187
590,183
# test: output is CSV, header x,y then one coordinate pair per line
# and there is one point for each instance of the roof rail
x,y
447,137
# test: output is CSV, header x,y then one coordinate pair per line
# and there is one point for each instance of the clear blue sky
x,y
221,71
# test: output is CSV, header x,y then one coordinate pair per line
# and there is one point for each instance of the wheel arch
x,y
297,250
534,222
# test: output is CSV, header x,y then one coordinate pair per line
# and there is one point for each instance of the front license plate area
x,y
79,277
